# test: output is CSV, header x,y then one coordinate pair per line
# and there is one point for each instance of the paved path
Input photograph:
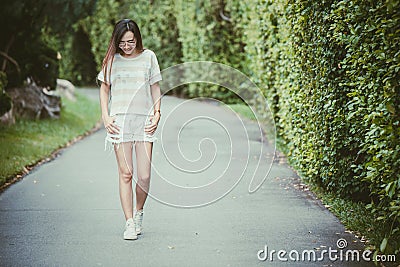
x,y
67,211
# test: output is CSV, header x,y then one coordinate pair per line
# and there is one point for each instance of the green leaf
x,y
383,244
390,108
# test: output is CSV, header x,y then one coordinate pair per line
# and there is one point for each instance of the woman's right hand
x,y
110,126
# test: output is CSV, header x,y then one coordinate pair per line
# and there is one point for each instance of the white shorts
x,y
131,129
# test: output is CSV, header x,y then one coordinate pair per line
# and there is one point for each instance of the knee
x,y
125,176
144,179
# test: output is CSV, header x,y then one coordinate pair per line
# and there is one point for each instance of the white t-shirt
x,y
130,81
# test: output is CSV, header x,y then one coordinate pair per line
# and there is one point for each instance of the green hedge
x,y
330,71
207,34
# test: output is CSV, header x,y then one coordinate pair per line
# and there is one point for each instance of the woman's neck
x,y
134,54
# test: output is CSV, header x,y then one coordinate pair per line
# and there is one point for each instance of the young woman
x,y
130,76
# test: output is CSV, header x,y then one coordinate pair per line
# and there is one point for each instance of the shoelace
x,y
130,224
139,218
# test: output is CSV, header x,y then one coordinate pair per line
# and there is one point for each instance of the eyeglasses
x,y
130,43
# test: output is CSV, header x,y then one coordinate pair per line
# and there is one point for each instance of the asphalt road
x,y
200,212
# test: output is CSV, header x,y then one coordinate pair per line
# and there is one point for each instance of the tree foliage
x,y
24,51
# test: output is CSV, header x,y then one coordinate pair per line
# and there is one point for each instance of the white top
x,y
130,81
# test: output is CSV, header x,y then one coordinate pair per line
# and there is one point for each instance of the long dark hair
x,y
120,28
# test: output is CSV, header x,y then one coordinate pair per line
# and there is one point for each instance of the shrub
x,y
330,72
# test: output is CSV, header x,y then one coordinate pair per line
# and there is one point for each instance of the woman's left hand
x,y
151,128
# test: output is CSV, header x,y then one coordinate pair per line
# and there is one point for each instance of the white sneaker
x,y
130,233
138,221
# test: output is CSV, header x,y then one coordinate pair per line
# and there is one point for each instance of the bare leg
x,y
143,159
123,153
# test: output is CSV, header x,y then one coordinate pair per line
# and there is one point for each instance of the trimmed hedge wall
x,y
330,70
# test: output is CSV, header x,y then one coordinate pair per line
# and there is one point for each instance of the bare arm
x,y
156,96
107,120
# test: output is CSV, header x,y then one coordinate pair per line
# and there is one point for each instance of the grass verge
x,y
243,110
28,142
